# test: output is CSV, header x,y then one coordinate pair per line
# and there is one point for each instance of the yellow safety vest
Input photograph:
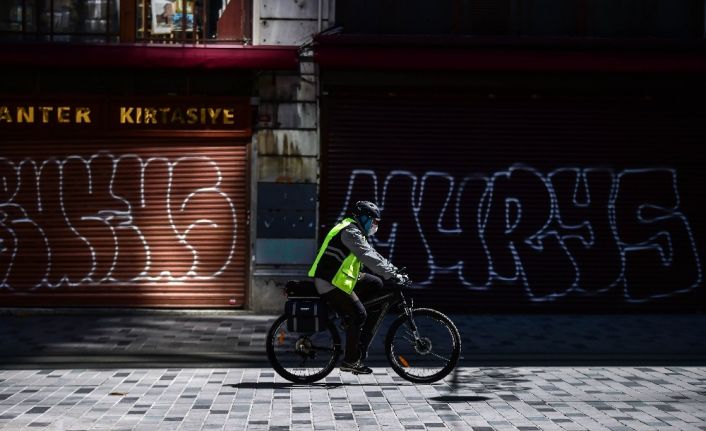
x,y
347,274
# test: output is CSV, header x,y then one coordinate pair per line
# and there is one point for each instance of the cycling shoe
x,y
355,368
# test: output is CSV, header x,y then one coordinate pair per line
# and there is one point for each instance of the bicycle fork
x,y
408,313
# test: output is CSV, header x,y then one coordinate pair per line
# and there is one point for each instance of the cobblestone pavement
x,y
164,339
160,370
493,398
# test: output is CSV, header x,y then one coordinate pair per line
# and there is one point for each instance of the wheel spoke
x,y
447,360
411,334
303,362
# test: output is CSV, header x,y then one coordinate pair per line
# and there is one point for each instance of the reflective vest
x,y
332,263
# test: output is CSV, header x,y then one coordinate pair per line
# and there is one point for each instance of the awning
x,y
429,53
151,56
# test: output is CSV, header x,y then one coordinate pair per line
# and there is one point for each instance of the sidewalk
x,y
484,399
110,338
109,370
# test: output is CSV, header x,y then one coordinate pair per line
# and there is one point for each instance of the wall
x,y
290,22
285,154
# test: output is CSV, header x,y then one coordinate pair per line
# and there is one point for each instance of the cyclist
x,y
337,272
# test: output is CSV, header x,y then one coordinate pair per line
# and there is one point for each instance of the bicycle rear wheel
x,y
302,357
429,357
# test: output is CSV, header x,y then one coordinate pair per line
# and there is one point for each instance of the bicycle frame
x,y
405,304
406,309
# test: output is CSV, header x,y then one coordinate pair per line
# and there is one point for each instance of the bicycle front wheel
x,y
429,354
302,357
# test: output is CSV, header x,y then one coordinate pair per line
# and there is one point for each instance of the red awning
x,y
151,56
400,53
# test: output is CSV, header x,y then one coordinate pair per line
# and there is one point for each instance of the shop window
x,y
87,21
170,21
191,21
98,21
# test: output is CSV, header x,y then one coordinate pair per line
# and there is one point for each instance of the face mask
x,y
373,227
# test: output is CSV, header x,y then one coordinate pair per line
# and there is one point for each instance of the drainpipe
x,y
318,20
255,22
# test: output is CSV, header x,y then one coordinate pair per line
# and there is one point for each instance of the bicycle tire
x,y
282,371
455,354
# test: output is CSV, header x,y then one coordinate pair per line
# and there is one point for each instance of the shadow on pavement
x,y
132,360
482,380
459,399
115,338
326,385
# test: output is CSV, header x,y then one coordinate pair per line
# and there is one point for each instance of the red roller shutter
x,y
133,222
525,204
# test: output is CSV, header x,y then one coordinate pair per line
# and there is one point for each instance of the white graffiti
x,y
52,221
574,231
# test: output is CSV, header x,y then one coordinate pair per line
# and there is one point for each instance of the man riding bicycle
x,y
337,272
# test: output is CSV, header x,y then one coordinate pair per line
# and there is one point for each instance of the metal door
x,y
137,222
525,204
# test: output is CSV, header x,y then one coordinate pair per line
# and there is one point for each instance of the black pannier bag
x,y
305,315
305,310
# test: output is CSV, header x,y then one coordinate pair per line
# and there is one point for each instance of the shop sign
x,y
29,115
127,115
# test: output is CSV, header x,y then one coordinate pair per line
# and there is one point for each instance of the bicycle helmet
x,y
367,214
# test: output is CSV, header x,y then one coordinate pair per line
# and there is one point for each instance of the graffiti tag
x,y
574,230
113,220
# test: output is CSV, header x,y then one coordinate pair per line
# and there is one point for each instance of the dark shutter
x,y
131,223
525,204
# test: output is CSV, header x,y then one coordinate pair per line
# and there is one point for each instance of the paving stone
x,y
485,398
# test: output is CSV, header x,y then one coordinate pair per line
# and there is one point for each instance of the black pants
x,y
359,322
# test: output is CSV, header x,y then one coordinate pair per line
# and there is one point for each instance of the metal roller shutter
x,y
510,204
126,223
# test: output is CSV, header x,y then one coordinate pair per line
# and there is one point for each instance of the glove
x,y
401,278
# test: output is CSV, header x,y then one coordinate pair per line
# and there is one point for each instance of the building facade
x,y
528,155
127,154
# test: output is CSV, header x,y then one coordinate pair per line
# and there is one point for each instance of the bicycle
x,y
422,344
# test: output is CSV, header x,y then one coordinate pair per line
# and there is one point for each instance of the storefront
x,y
124,202
521,182
125,174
